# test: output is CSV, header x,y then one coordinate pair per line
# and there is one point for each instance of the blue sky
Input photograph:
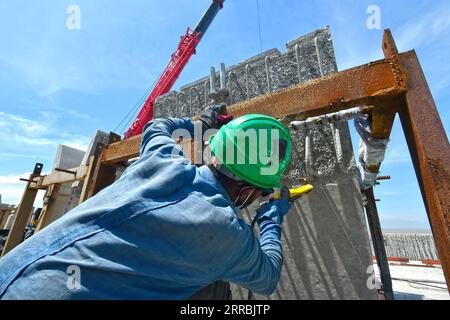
x,y
59,85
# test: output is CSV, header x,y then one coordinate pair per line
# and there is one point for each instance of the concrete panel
x,y
410,246
325,239
66,158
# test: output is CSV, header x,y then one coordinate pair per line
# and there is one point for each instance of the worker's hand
x,y
286,194
215,116
274,210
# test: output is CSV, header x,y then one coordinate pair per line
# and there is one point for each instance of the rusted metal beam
x,y
369,84
384,115
363,85
389,47
23,213
430,151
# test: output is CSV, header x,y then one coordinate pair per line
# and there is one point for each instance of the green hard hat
x,y
255,148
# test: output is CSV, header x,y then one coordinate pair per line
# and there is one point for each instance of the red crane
x,y
179,59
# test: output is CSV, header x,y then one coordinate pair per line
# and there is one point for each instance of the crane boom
x,y
179,59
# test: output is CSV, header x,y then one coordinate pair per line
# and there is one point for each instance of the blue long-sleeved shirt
x,y
163,230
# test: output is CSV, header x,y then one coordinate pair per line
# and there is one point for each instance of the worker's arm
x,y
258,265
158,133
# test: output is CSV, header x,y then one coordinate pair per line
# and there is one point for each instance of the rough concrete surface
x,y
410,246
325,239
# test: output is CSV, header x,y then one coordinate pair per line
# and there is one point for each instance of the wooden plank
x,y
84,191
3,221
58,177
104,173
94,167
122,150
23,213
3,214
430,151
48,214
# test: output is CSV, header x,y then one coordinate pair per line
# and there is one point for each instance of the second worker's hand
x,y
275,209
215,116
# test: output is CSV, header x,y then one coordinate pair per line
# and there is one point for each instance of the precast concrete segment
x,y
326,247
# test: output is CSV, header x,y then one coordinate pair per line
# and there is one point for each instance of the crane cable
x,y
259,25
133,111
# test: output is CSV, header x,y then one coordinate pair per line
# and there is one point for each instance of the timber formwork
x,y
394,85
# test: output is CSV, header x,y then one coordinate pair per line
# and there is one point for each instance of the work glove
x,y
215,116
276,209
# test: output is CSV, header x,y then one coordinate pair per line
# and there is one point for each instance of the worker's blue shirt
x,y
163,230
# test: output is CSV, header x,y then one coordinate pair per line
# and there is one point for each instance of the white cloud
x,y
406,219
11,189
390,193
23,156
14,179
424,29
24,125
75,141
397,155
20,132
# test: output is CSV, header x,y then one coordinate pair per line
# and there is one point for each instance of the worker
x,y
166,228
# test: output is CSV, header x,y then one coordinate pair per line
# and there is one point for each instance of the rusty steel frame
x,y
394,85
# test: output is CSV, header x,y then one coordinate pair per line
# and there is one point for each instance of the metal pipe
x,y
378,243
66,171
269,82
247,80
319,59
208,17
223,83
297,57
212,81
331,118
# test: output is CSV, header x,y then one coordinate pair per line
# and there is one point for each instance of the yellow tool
x,y
298,192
